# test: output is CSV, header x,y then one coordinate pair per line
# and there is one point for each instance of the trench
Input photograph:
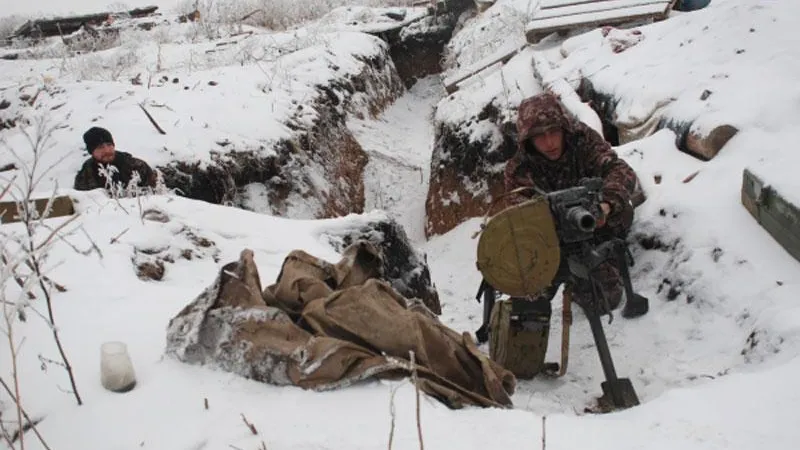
x,y
399,147
691,335
399,144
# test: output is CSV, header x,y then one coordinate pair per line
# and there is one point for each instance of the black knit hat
x,y
96,136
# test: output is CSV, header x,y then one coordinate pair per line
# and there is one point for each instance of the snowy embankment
x,y
732,63
714,362
273,101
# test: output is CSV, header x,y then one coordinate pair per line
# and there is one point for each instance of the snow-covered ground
x,y
399,144
715,362
50,8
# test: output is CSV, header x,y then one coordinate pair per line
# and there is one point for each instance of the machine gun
x,y
574,212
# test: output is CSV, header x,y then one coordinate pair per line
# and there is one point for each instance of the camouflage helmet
x,y
540,113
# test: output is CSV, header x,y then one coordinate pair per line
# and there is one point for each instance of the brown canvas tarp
x,y
324,326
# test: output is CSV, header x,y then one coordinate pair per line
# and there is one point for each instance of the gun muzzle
x,y
581,219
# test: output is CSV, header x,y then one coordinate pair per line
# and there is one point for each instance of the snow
x,y
370,20
399,146
553,20
550,10
715,361
209,95
49,8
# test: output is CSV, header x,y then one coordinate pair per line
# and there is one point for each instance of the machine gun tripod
x,y
572,211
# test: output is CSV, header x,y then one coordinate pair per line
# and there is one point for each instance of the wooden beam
x,y
537,29
68,25
549,4
62,206
609,5
451,82
483,5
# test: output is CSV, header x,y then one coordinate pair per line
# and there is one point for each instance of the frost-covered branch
x,y
31,247
30,423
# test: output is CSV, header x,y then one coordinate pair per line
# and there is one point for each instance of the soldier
x,y
555,152
119,165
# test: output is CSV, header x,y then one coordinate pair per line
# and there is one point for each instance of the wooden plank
x,y
451,82
779,217
598,16
537,29
551,4
483,5
61,206
68,25
548,4
597,7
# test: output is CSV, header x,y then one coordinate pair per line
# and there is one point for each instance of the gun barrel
x,y
581,219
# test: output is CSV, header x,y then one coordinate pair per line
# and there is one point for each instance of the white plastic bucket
x,y
116,368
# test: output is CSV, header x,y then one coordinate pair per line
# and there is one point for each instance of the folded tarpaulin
x,y
324,326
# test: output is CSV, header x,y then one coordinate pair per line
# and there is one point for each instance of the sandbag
x,y
518,336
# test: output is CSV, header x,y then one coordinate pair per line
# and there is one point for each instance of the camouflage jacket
x,y
89,177
586,154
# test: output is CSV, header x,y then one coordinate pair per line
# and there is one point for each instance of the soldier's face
x,y
104,153
550,143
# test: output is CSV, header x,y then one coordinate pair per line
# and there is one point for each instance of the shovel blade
x,y
635,307
619,394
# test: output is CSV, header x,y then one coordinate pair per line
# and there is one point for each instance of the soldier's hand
x,y
605,208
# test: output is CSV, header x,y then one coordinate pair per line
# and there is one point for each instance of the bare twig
x,y
544,432
24,429
115,239
53,233
415,377
161,105
8,187
205,402
17,278
152,120
36,311
247,16
33,222
44,361
46,292
58,287
114,100
15,375
6,435
31,422
691,176
392,414
249,425
91,241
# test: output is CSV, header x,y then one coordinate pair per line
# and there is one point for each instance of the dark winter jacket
x,y
586,154
89,176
